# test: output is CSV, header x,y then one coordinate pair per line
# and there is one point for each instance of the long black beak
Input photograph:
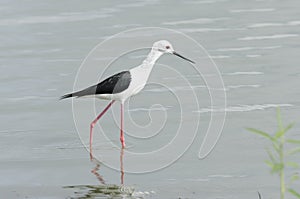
x,y
175,53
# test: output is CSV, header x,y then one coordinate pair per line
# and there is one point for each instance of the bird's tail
x,y
66,96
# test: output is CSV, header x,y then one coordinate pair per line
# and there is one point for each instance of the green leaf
x,y
288,127
293,151
294,177
292,164
279,121
269,163
271,156
277,167
292,141
280,133
295,193
259,132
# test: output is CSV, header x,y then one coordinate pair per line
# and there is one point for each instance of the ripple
x,y
211,75
197,179
63,60
243,108
243,86
160,108
220,176
192,30
226,176
64,74
205,1
26,98
176,88
253,10
187,88
261,25
253,56
245,73
293,23
246,48
279,36
196,21
138,4
219,56
55,19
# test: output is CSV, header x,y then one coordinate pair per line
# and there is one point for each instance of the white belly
x,y
139,77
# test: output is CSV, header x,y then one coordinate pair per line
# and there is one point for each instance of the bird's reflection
x,y
104,189
122,166
96,173
95,170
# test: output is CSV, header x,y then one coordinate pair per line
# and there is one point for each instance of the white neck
x,y
152,57
142,72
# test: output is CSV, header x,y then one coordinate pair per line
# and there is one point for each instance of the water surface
x,y
255,45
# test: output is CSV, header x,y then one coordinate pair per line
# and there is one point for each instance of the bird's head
x,y
166,47
163,46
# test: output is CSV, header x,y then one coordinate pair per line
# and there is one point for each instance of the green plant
x,y
278,155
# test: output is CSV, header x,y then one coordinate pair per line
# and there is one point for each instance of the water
x,y
254,43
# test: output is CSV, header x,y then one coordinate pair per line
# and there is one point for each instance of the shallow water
x,y
255,45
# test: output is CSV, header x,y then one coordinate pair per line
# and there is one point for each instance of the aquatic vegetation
x,y
101,191
278,155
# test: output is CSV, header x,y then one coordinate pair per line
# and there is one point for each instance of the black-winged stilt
x,y
125,84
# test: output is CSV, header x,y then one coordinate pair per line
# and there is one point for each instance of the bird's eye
x,y
167,47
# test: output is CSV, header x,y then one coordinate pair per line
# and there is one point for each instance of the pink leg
x,y
122,139
93,124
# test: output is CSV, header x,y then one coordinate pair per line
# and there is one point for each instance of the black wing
x,y
113,84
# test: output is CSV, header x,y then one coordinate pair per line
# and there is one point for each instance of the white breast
x,y
139,77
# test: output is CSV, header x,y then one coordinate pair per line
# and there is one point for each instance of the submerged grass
x,y
101,191
278,154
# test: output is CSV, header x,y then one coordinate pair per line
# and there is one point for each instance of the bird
x,y
123,85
